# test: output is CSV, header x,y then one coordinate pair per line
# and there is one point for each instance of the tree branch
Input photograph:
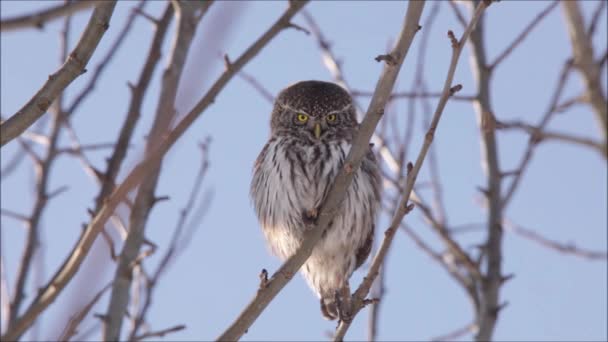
x,y
584,61
73,67
40,18
487,312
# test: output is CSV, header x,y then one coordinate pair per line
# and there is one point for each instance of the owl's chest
x,y
305,172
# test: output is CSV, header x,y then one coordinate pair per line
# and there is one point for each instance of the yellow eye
x,y
331,118
302,118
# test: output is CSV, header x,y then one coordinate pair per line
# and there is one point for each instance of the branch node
x,y
369,301
409,167
453,39
298,27
227,62
44,103
409,207
506,278
455,89
388,59
158,199
263,279
103,318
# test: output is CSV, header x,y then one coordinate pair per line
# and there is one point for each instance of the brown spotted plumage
x,y
312,127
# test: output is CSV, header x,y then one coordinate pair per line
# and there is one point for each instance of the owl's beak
x,y
317,130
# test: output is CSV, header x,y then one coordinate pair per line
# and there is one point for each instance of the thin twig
x,y
160,333
597,13
414,95
565,248
38,19
71,328
100,67
544,135
544,121
524,33
174,248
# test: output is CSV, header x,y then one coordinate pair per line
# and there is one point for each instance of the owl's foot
x,y
338,306
343,307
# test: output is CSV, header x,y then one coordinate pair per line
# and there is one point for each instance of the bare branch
x,y
522,36
174,246
14,215
599,10
565,248
457,13
582,48
72,263
544,135
73,67
43,168
112,50
487,311
523,164
160,333
187,23
38,19
414,95
71,328
360,294
266,94
336,193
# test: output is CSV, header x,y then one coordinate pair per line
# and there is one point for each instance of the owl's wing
x,y
364,250
261,156
369,166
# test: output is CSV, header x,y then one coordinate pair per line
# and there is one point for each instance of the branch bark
x,y
487,312
73,67
187,21
336,193
584,61
70,266
40,18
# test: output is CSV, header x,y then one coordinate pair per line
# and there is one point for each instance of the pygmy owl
x,y
312,128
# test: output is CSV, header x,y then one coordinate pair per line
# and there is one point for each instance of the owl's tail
x,y
336,304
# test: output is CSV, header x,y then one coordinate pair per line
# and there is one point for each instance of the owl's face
x,y
314,111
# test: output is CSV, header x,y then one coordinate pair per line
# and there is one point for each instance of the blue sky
x,y
562,196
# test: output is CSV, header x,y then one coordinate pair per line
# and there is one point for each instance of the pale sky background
x,y
563,194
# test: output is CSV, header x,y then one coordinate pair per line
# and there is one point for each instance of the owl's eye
x,y
331,118
302,118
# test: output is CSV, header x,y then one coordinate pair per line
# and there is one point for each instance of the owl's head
x,y
314,110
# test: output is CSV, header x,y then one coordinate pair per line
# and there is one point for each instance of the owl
x,y
312,128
